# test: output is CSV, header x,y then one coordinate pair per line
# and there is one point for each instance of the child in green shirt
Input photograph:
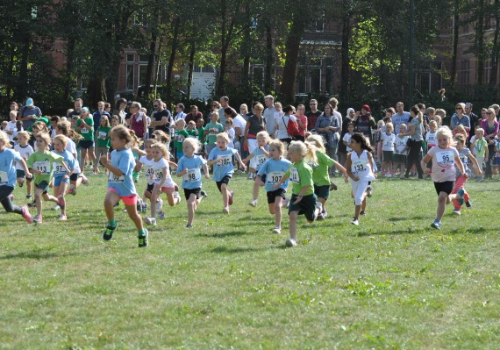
x,y
103,141
180,135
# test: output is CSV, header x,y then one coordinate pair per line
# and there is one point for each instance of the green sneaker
x,y
108,233
143,240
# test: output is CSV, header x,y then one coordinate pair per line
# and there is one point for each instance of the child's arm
x,y
238,158
474,161
424,162
247,159
348,165
213,161
342,169
172,164
107,165
25,168
264,151
139,151
283,179
303,190
460,165
370,159
205,170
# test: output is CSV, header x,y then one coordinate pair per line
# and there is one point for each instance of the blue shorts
x,y
496,161
59,179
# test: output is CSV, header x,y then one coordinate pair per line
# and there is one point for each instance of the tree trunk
x,y
70,55
151,64
344,70
480,54
292,49
495,51
190,69
456,19
170,67
268,83
96,91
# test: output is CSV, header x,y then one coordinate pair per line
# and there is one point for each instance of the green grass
x,y
391,283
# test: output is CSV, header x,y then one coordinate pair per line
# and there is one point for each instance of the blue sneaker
x,y
460,195
436,224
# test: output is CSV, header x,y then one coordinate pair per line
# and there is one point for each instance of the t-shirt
x,y
159,168
259,156
180,136
388,142
12,126
347,139
239,122
201,135
224,166
7,169
59,170
480,147
125,162
158,116
25,153
398,119
312,117
88,134
274,171
255,125
464,157
417,136
320,169
146,162
43,162
443,163
431,138
230,133
361,167
71,148
103,139
213,130
192,179
401,142
272,117
301,174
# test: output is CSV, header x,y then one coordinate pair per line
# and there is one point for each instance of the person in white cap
x,y
29,113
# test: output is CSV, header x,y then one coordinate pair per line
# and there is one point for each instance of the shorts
x,y
189,191
86,144
131,199
388,156
43,185
21,174
399,158
446,187
164,189
307,206
59,179
225,180
322,191
496,161
271,195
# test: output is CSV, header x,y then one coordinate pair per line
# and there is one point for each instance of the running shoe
x,y
253,203
26,215
203,194
277,230
436,224
108,233
290,243
456,212
231,195
460,195
38,219
62,217
143,239
355,222
468,204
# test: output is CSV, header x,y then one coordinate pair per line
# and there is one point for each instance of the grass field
x,y
391,283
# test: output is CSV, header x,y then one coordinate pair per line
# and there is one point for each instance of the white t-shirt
x,y
159,167
11,126
148,169
347,140
401,144
388,142
25,153
361,167
240,122
230,133
431,138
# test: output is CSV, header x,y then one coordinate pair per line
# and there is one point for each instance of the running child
x,y
145,161
8,177
360,171
25,150
271,173
259,155
444,157
321,177
102,141
121,185
388,139
466,157
180,135
162,180
43,162
61,177
221,158
303,199
189,169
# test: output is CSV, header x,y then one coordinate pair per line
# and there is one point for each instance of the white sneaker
x,y
253,203
56,207
159,205
62,217
456,212
290,243
151,221
355,222
177,196
277,230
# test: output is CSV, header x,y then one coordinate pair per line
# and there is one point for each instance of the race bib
x,y
116,179
359,166
58,168
192,175
180,138
294,175
150,173
274,177
84,130
43,167
388,144
465,160
261,159
4,178
445,157
102,135
224,160
158,175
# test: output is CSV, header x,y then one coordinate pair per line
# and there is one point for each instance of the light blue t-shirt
x,y
259,156
225,165
8,175
192,179
125,162
59,170
274,171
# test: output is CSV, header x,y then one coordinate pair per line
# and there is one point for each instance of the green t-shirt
x,y
88,135
192,133
480,147
103,139
180,135
320,170
201,135
301,174
212,135
44,162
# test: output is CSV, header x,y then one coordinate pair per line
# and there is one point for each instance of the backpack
x,y
292,128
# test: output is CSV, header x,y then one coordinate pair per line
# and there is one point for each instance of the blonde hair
x,y
40,125
460,138
124,134
259,107
180,122
136,141
214,114
104,117
162,148
263,134
280,146
480,130
149,142
224,136
13,113
62,138
5,139
65,128
25,134
446,132
46,138
492,111
433,122
461,105
389,125
193,142
161,135
380,123
305,150
317,141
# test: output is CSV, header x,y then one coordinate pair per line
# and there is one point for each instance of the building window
x,y
487,71
464,73
329,75
143,69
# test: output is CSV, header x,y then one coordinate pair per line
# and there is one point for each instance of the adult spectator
x,y
99,113
14,107
179,112
214,107
415,131
490,127
29,113
301,122
271,115
107,107
244,112
255,124
85,127
440,116
473,118
193,114
119,110
335,103
313,114
161,119
282,125
423,109
138,120
77,109
459,118
342,150
400,117
496,108
328,127
224,103
365,123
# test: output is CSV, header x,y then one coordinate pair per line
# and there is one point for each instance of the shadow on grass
x,y
424,230
224,234
404,218
38,255
226,250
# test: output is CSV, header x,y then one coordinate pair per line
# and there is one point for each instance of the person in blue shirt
x,y
8,177
189,168
61,176
121,184
270,173
222,159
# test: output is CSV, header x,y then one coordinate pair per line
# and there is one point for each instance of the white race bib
x,y
224,160
43,167
158,175
274,177
192,175
359,166
58,168
445,157
294,175
4,178
261,159
150,173
102,135
84,130
116,179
